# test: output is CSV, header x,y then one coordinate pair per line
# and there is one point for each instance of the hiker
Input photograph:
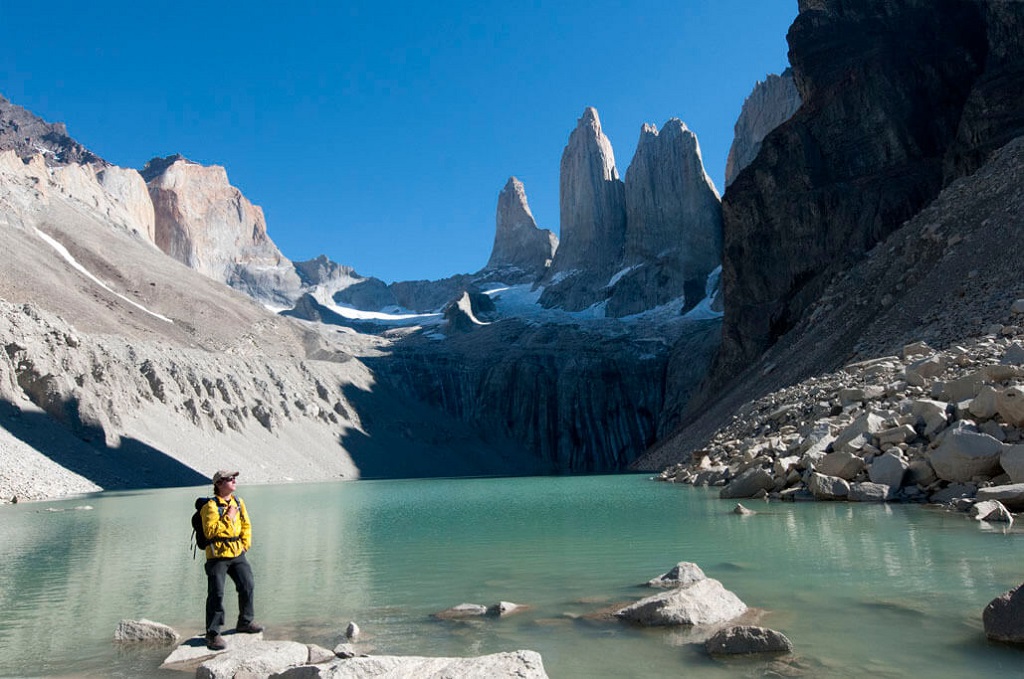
x,y
226,524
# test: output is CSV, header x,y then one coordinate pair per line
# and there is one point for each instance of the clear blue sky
x,y
379,133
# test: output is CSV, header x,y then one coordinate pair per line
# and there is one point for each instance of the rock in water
x,y
704,602
1004,617
747,640
145,630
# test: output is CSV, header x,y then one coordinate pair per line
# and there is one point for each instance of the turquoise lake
x,y
861,590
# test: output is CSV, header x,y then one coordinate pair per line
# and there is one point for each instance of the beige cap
x,y
223,474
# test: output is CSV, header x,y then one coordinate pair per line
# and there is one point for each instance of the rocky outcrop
x,y
521,252
673,223
771,103
29,135
592,218
208,225
513,665
889,94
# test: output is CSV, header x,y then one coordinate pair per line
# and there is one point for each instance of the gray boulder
x,y
889,469
825,487
1003,618
747,640
1012,462
859,433
513,664
705,602
1010,403
844,465
748,484
145,631
869,492
682,574
963,454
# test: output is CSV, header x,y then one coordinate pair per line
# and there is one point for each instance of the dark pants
x,y
240,572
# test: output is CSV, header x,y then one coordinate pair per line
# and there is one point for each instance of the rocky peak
x,y
674,222
27,135
592,212
770,104
518,244
208,225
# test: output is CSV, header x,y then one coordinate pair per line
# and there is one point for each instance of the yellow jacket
x,y
217,525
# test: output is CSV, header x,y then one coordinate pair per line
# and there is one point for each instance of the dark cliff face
x,y
898,100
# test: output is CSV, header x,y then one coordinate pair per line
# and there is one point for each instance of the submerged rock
x,y
747,640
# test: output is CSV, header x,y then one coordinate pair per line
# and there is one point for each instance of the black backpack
x,y
200,541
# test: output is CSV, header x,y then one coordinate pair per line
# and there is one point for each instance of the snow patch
x,y
617,277
63,252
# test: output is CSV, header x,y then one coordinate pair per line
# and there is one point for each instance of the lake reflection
x,y
860,589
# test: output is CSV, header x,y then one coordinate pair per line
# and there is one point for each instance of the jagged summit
x,y
27,135
518,244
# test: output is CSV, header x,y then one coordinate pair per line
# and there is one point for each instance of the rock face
x,y
770,104
673,223
29,135
521,251
592,216
208,225
867,72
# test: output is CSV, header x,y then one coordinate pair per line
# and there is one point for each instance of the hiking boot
x,y
215,642
249,628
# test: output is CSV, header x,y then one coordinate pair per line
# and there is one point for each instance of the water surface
x,y
861,590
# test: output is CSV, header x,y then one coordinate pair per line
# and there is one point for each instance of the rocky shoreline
x,y
927,426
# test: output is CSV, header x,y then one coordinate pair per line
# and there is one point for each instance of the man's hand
x,y
231,512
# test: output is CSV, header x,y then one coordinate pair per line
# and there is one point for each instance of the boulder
x,y
747,640
985,405
1012,462
704,602
513,664
990,510
1011,495
1003,618
146,631
352,631
748,484
919,372
920,472
869,492
963,454
503,608
954,491
889,469
859,433
1010,404
931,415
828,487
844,465
895,435
682,574
319,654
260,659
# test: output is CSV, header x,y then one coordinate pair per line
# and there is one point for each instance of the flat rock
x,y
260,659
513,664
869,492
705,602
1011,495
193,652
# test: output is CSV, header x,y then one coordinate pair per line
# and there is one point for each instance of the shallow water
x,y
861,590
